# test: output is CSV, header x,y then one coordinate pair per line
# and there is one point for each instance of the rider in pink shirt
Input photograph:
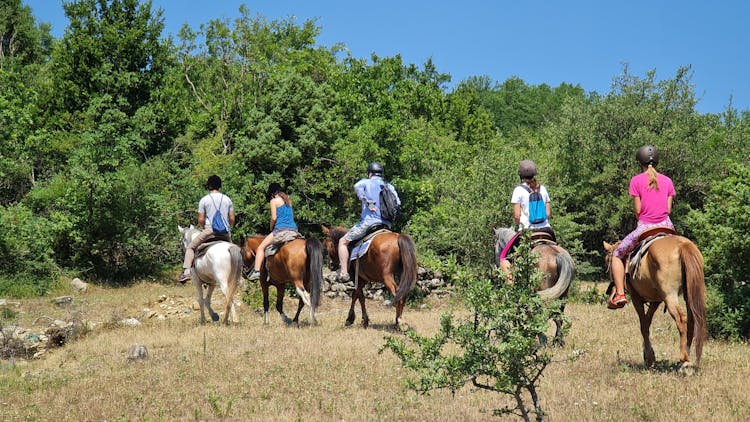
x,y
652,194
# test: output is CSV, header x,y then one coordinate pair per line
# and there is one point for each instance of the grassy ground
x,y
328,372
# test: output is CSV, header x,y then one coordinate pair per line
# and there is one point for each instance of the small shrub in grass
x,y
496,347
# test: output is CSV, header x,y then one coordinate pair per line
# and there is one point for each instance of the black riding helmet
x,y
527,169
213,182
647,154
375,168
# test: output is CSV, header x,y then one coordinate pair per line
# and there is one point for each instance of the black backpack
x,y
389,208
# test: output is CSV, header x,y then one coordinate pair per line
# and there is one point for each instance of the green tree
x,y
496,348
721,229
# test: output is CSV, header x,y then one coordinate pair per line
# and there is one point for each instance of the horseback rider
x,y
652,194
368,191
209,205
520,198
282,218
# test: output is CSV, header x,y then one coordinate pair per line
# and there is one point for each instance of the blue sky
x,y
578,42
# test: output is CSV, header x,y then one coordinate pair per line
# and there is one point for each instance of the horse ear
x,y
325,230
496,230
607,246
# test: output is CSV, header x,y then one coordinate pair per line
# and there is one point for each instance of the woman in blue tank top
x,y
282,218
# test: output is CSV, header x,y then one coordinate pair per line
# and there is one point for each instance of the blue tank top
x,y
284,218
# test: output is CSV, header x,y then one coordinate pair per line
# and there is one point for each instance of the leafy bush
x,y
720,230
27,265
498,347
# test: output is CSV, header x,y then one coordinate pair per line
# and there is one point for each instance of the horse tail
x,y
408,275
566,269
314,251
235,273
695,295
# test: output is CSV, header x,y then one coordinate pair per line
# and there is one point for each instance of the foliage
x,y
721,229
27,264
108,134
496,348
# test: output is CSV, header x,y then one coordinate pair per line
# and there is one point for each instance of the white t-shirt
x,y
521,196
208,204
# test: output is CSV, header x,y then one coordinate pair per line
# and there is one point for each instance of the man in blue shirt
x,y
368,191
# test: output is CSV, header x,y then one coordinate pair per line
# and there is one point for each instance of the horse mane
x,y
336,233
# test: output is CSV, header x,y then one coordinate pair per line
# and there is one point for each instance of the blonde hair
x,y
653,183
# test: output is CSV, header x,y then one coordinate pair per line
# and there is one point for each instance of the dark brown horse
x,y
672,264
299,262
555,264
389,255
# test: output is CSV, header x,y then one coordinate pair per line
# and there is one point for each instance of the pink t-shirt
x,y
654,203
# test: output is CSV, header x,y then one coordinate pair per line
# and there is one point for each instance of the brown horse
x,y
299,262
672,264
555,264
389,254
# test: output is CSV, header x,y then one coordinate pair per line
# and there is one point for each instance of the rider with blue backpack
x,y
368,191
531,209
216,216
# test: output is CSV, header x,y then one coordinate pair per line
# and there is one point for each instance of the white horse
x,y
222,264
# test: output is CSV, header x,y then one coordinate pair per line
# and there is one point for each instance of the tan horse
x,y
556,265
389,255
300,263
672,264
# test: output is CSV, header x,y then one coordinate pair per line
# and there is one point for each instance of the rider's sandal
x,y
617,301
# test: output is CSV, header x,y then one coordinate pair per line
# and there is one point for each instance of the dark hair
x,y
273,189
214,182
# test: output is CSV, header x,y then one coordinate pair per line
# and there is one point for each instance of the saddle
x,y
360,247
538,238
644,242
280,239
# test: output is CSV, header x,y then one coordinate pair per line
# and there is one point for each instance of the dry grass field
x,y
331,373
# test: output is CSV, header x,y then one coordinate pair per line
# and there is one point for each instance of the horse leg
x,y
280,304
207,301
201,300
559,340
350,316
361,296
266,305
304,299
390,284
645,318
681,320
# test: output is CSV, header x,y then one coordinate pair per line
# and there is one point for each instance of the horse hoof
x,y
348,323
687,369
214,317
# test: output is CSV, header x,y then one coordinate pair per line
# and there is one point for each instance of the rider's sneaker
x,y
617,301
184,277
254,276
342,278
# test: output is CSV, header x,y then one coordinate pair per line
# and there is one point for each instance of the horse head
x,y
502,237
331,243
186,235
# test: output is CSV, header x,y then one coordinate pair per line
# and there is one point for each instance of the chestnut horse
x,y
672,264
299,262
222,265
389,254
555,264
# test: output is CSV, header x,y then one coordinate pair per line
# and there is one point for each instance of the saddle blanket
x,y
360,249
